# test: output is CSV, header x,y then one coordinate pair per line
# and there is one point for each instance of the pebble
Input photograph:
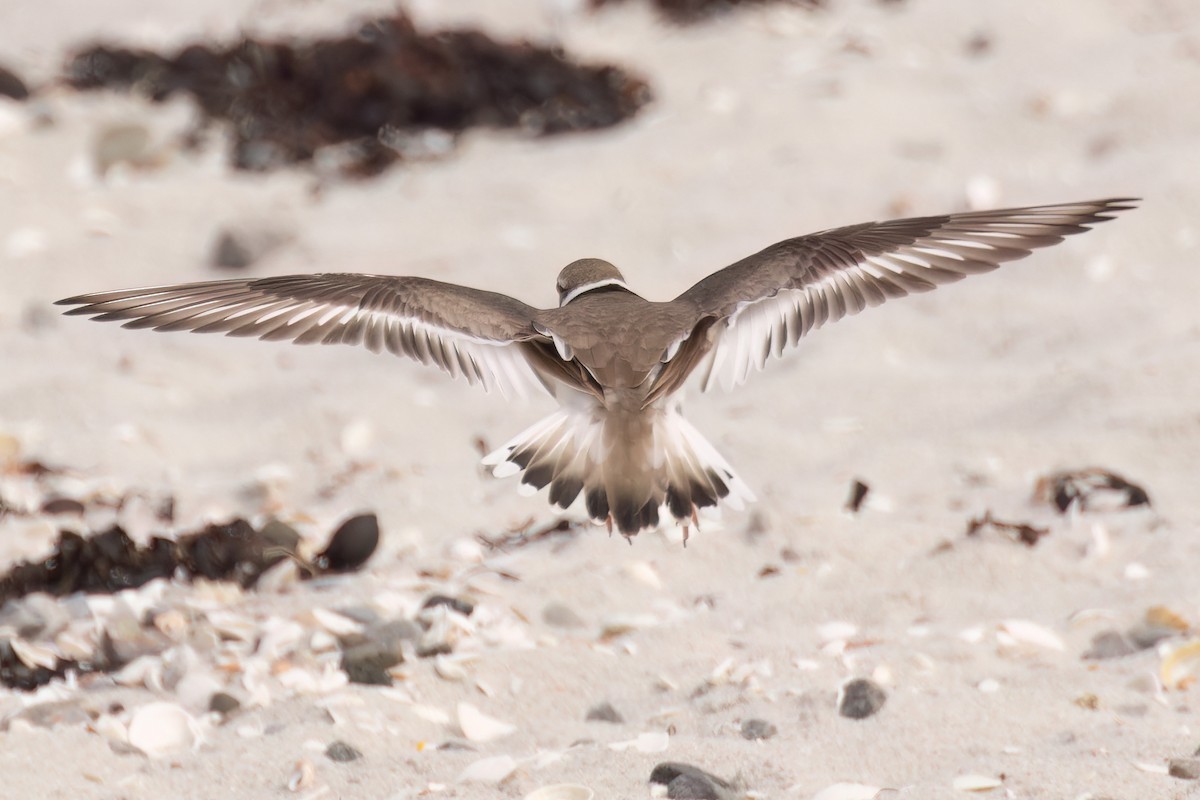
x,y
558,615
464,607
1187,769
351,544
686,782
860,698
604,712
11,85
224,703
1109,644
49,715
368,663
758,729
123,143
239,246
341,752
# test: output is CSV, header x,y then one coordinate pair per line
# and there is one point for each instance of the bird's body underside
x,y
615,363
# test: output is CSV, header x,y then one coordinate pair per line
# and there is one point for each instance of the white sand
x,y
768,124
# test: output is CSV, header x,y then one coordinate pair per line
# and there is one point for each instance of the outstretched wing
x,y
766,302
479,335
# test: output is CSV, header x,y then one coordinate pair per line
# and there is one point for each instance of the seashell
x,y
488,770
161,728
561,791
1153,769
75,645
619,624
1181,667
976,783
847,791
1136,571
651,742
357,437
431,714
1163,617
479,727
338,624
303,776
33,655
449,668
833,631
1022,631
642,572
233,626
142,671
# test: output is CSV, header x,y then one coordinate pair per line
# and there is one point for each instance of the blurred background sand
x,y
767,124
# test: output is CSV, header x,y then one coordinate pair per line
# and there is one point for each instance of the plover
x,y
615,362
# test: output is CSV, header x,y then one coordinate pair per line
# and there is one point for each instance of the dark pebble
x,y
1186,768
12,86
351,544
858,493
223,703
685,782
62,505
1145,635
860,698
755,729
604,712
368,663
240,247
341,752
464,607
690,12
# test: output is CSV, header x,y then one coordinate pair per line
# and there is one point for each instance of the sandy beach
x,y
767,123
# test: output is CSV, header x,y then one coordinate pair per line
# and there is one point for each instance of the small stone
x,y
341,752
1187,769
62,505
49,715
858,494
368,663
757,729
1146,635
351,544
124,143
224,703
559,616
11,85
464,607
685,782
860,698
1109,644
240,246
604,712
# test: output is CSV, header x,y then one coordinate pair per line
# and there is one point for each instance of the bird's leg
x,y
608,524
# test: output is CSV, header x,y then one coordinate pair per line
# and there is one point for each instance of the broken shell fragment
x,y
161,728
479,727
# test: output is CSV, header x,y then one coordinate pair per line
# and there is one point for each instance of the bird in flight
x,y
614,362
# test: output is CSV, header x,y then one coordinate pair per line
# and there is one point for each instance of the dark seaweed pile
x,y
284,100
690,11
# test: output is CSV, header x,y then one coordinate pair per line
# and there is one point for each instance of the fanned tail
x,y
627,467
